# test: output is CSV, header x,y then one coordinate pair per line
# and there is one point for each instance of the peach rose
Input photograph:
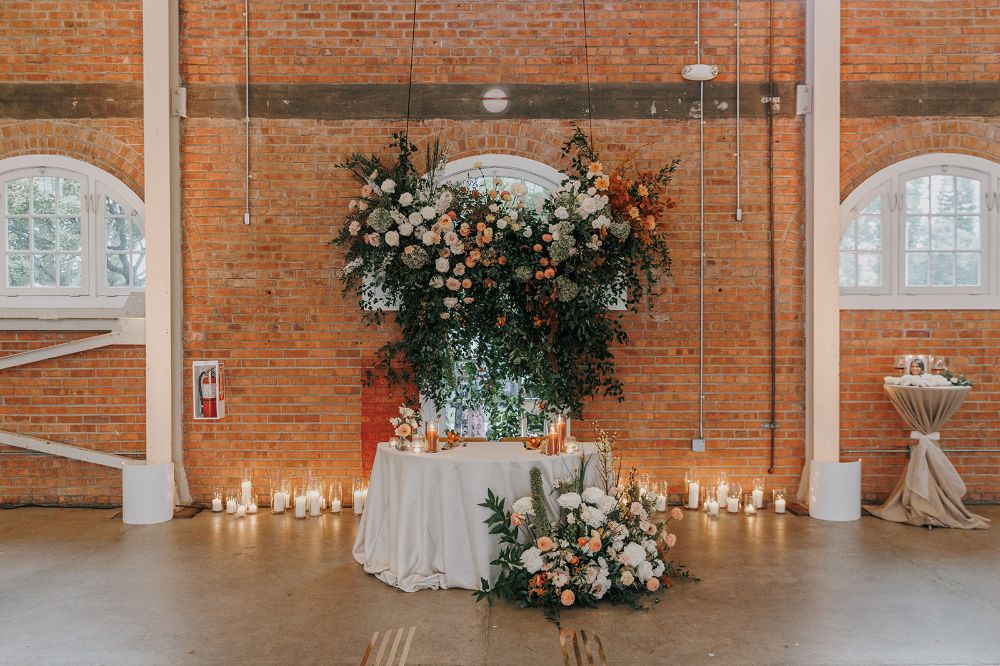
x,y
671,540
467,283
539,275
567,598
516,519
582,541
404,430
595,543
544,544
676,513
547,238
550,272
653,584
537,247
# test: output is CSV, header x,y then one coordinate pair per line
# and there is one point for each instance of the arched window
x,y
921,234
73,235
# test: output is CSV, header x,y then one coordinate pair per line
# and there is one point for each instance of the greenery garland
x,y
493,293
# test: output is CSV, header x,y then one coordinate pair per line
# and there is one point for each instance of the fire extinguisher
x,y
208,393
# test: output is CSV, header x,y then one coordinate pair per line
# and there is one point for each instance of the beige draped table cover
x,y
930,491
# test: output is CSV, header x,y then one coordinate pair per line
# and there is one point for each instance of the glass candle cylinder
x,y
358,495
431,433
662,494
722,489
643,481
693,488
336,492
252,506
779,500
217,505
748,506
733,499
552,441
231,503
313,494
279,502
246,487
758,493
561,431
300,503
419,445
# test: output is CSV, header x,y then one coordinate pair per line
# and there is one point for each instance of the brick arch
x,y
54,137
505,137
920,137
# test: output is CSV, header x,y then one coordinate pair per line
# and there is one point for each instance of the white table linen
x,y
422,527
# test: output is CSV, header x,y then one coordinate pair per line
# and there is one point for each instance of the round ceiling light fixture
x,y
495,100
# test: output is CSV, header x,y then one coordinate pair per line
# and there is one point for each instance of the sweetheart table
x,y
422,527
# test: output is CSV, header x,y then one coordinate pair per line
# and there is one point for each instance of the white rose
x,y
450,302
518,189
456,249
415,218
644,571
442,265
561,213
601,586
388,186
405,229
627,578
430,238
428,212
592,495
634,554
502,223
592,516
523,506
405,199
560,579
532,560
451,238
569,500
392,238
527,232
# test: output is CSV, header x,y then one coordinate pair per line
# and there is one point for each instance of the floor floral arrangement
x,y
523,291
605,544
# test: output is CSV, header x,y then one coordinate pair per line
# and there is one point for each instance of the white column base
x,y
147,493
835,490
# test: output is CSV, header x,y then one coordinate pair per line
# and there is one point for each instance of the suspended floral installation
x,y
521,292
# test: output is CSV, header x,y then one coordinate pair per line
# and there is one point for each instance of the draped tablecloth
x,y
422,527
930,491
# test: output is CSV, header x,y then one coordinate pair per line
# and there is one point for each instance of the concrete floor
x,y
79,587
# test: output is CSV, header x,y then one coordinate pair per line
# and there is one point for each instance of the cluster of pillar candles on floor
x,y
307,498
726,496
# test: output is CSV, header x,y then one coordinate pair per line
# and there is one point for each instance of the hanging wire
x,y
246,105
586,58
409,77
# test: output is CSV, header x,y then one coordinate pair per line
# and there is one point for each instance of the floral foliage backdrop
x,y
493,292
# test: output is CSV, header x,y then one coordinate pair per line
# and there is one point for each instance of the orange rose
x,y
452,214
544,544
595,543
539,275
547,238
652,584
466,283
537,247
582,541
550,272
543,261
502,260
567,598
481,226
516,519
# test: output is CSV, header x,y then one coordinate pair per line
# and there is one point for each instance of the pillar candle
x,y
313,498
431,434
561,431
252,508
758,498
749,509
246,489
661,502
217,504
241,511
359,502
732,505
278,503
300,506
322,503
552,445
779,505
335,505
713,507
722,493
230,505
693,489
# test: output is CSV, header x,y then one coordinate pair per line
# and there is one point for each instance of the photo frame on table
x,y
914,361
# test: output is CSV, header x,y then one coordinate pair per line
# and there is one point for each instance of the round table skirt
x,y
422,527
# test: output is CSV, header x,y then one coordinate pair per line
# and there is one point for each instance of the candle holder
x,y
279,498
359,493
552,441
561,431
253,507
662,496
572,445
217,504
336,495
231,503
733,499
314,491
693,487
419,445
712,503
300,503
431,434
748,506
246,487
723,489
779,500
758,493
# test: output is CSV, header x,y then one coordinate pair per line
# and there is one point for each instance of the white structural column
x,y
148,490
834,487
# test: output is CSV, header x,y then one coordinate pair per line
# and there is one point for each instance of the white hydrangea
x,y
593,517
523,506
569,500
592,495
644,571
658,569
650,546
600,222
532,560
607,503
633,555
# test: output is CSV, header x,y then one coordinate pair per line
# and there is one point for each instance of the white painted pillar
x,y
834,487
157,131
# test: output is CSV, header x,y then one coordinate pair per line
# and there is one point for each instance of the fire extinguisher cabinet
x,y
208,390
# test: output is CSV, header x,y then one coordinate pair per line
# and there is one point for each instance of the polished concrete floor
x,y
79,587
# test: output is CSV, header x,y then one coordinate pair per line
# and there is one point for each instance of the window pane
x,y
69,233
917,192
138,241
69,270
967,269
43,197
916,269
18,270
17,233
113,208
942,233
69,197
869,232
117,273
942,269
44,234
967,232
848,272
918,232
968,195
139,270
46,270
17,197
942,194
117,234
869,270
847,240
874,207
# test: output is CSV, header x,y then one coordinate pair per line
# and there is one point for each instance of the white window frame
x,y
890,183
93,295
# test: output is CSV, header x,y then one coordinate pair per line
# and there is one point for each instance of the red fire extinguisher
x,y
208,393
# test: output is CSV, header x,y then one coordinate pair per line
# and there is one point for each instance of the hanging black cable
x,y
586,59
409,76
